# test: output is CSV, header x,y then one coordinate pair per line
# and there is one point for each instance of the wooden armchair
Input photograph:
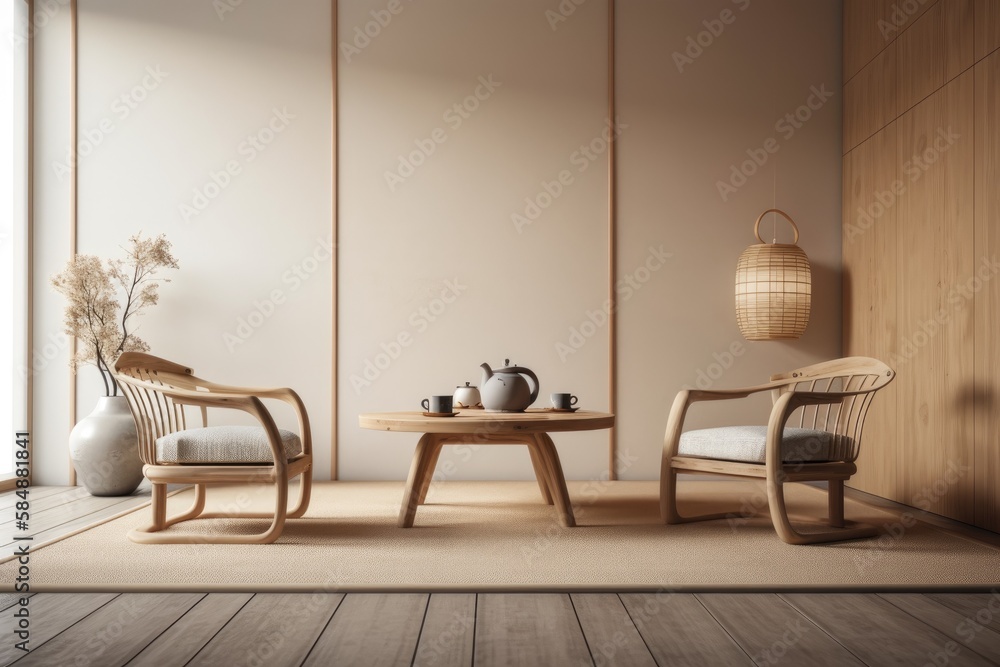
x,y
833,399
157,392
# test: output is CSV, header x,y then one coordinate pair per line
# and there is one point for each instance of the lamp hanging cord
x,y
774,199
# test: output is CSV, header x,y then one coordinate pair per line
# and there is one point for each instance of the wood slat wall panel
x,y
987,310
871,191
987,27
934,50
865,22
870,99
936,259
901,14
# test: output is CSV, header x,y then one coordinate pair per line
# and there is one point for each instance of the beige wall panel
x,y
935,344
988,299
987,27
50,366
934,50
870,99
227,113
689,128
871,191
523,287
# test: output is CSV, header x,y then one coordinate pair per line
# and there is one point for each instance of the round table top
x,y
539,420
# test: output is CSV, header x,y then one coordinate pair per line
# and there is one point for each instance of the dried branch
x,y
94,311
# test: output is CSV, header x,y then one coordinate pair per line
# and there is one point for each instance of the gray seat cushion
x,y
223,444
748,443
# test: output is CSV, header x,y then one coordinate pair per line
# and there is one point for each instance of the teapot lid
x,y
467,385
508,368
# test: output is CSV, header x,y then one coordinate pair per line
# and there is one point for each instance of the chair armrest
x,y
684,399
285,394
783,408
789,402
245,402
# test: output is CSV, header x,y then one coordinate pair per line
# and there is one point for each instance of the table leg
x,y
414,481
550,456
541,472
429,472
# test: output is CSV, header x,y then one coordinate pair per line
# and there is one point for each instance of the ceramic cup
x,y
437,404
563,401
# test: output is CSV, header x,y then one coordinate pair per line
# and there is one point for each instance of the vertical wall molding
x,y
612,251
30,241
335,222
72,207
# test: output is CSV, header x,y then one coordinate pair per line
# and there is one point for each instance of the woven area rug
x,y
498,536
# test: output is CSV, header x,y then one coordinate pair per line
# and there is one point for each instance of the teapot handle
x,y
533,381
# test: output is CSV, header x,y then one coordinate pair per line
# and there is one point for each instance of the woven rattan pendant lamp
x,y
773,287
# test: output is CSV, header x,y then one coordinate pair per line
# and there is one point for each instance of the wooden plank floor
x,y
451,629
466,629
56,511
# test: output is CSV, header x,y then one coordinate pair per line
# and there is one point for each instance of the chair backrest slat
x,y
844,418
155,413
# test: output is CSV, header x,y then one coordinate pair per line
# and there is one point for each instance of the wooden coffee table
x,y
529,428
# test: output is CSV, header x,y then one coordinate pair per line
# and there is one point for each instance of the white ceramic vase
x,y
104,448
